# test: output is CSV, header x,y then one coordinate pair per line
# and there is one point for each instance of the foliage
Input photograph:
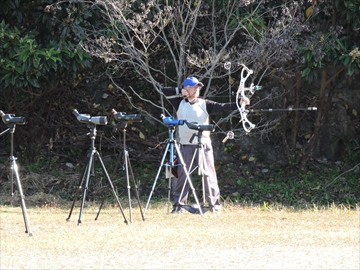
x,y
349,13
45,166
55,56
40,59
25,63
309,188
46,49
327,44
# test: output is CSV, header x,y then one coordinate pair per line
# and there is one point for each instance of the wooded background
x,y
94,56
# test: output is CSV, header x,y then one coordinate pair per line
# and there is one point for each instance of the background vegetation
x,y
97,55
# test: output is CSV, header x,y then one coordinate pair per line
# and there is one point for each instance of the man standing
x,y
190,107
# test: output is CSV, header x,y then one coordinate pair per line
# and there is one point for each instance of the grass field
x,y
239,238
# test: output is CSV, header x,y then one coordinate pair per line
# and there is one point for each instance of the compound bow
x,y
245,74
244,91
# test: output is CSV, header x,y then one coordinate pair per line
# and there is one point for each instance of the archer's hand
x,y
184,93
244,100
190,95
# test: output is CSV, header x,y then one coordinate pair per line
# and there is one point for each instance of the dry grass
x,y
238,238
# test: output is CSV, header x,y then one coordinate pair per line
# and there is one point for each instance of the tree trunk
x,y
323,110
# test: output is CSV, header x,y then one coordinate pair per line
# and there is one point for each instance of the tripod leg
x,y
12,177
86,184
111,185
157,176
187,178
101,205
23,206
126,158
192,162
79,188
135,185
202,172
197,166
169,190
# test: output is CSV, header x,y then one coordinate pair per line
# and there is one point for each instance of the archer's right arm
x,y
173,94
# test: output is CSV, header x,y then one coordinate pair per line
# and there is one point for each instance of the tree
x,y
40,56
145,45
328,49
163,42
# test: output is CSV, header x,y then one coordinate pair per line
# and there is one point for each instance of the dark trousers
x,y
211,187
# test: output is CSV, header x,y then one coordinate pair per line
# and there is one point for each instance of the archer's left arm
x,y
216,108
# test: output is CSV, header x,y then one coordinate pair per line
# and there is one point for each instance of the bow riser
x,y
245,74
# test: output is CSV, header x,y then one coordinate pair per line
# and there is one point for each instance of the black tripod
x,y
128,169
84,180
172,123
200,154
14,171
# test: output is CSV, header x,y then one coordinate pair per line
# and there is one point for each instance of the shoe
x,y
215,211
178,209
195,209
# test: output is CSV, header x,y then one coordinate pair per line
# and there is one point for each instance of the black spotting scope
x,y
87,119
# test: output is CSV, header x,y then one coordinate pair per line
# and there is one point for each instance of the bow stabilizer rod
x,y
282,109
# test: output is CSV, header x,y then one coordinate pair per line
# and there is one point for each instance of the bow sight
x,y
87,119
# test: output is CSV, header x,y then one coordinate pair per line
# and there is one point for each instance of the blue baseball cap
x,y
192,81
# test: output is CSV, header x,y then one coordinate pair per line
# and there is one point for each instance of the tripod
x,y
14,171
84,180
170,145
127,167
200,154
